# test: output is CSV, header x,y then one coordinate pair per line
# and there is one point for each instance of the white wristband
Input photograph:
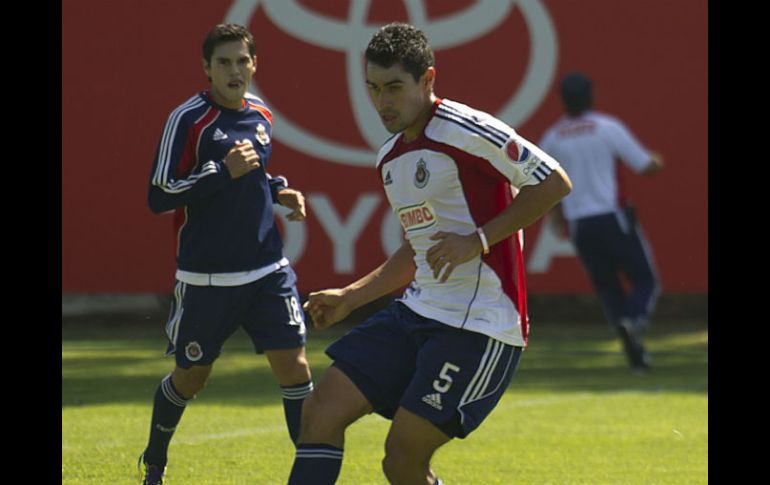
x,y
483,237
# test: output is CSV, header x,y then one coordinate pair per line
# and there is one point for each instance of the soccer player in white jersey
x,y
437,361
601,224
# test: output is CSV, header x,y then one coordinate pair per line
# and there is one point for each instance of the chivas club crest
x,y
262,136
193,351
422,175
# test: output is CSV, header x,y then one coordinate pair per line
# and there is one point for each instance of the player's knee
x,y
289,366
390,467
319,422
190,388
300,370
313,412
398,462
190,382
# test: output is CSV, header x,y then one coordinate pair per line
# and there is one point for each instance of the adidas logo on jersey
x,y
219,135
433,400
388,179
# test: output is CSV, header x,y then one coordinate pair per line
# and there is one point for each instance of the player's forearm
x,y
531,203
655,165
393,274
175,193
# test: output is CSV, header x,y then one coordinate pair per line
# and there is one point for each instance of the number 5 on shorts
x,y
445,377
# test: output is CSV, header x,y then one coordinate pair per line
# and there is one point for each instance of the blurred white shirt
x,y
589,147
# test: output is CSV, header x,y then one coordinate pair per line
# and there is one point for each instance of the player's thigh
x,y
379,356
289,366
413,439
334,404
273,317
200,322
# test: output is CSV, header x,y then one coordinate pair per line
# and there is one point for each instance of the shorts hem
x,y
452,427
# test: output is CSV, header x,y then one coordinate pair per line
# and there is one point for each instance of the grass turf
x,y
573,414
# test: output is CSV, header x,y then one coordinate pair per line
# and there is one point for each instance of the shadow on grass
x,y
125,365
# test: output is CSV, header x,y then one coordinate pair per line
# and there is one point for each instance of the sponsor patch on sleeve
x,y
517,152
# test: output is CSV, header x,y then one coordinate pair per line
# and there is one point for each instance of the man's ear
x,y
429,78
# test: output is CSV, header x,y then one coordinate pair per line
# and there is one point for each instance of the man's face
x,y
230,70
397,97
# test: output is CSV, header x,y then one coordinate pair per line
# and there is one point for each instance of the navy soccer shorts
x,y
202,318
449,376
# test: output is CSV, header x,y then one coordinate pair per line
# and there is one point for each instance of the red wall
x,y
126,65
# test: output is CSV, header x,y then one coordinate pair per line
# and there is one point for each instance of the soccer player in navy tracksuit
x,y
602,226
437,361
210,168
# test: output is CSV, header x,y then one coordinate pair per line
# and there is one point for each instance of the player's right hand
x,y
241,159
326,307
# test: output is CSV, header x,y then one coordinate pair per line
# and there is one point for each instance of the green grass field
x,y
574,414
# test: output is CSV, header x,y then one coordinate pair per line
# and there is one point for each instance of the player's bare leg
x,y
333,405
291,369
410,445
289,366
189,382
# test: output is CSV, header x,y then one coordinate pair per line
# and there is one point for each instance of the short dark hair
x,y
223,33
401,43
576,93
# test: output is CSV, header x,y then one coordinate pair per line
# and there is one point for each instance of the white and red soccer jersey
x,y
589,147
463,169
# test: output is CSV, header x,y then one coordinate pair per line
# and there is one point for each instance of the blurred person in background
x,y
602,226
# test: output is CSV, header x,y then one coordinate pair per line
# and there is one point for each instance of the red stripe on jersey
x,y
487,197
189,158
265,112
521,286
187,164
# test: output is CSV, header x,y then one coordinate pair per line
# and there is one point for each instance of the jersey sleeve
x,y
277,184
518,159
509,154
177,178
625,146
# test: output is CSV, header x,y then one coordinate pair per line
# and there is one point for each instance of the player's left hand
x,y
293,199
327,307
451,251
